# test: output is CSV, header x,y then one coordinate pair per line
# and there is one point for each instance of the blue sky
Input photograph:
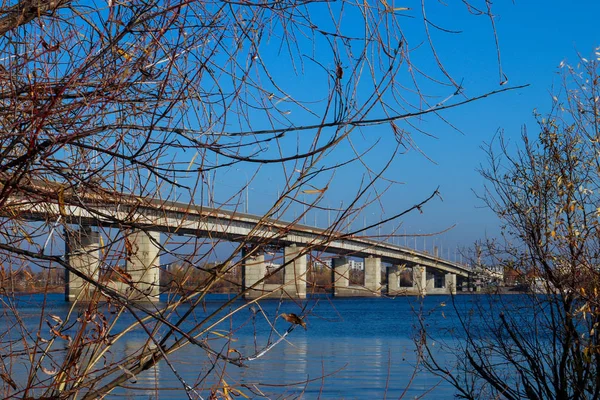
x,y
534,38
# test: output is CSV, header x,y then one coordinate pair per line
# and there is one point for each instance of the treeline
x,y
25,280
177,277
186,277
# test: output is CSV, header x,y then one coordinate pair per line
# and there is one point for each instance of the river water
x,y
358,348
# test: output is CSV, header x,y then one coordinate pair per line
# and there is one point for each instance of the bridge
x,y
145,219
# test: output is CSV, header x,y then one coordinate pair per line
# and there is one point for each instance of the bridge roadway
x,y
152,215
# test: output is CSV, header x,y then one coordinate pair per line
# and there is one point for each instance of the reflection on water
x,y
353,349
147,383
297,353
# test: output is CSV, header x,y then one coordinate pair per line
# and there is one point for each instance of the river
x,y
353,348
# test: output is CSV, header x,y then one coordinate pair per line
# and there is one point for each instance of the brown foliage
x,y
546,192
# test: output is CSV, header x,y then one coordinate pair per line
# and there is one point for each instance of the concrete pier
x,y
439,283
341,278
373,275
294,276
420,280
430,281
394,276
424,282
83,254
295,272
253,270
143,266
451,283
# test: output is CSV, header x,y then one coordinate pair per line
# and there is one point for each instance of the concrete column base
x,y
295,272
294,280
420,280
373,275
355,291
394,288
340,276
451,283
143,265
430,282
372,286
82,249
449,286
253,270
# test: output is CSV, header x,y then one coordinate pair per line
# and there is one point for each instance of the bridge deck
x,y
188,219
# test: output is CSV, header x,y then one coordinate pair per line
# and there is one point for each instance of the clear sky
x,y
534,38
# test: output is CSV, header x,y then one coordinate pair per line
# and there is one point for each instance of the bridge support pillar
x,y
389,275
143,264
450,283
430,284
340,276
373,275
420,280
393,274
253,270
295,272
83,254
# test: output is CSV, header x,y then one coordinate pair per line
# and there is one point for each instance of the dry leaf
x,y
48,372
127,372
315,191
61,201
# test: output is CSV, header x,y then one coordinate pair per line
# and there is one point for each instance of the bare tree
x,y
543,345
108,107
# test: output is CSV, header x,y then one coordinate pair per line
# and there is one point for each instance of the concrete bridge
x,y
147,218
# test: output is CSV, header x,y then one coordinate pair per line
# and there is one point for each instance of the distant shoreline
x,y
503,290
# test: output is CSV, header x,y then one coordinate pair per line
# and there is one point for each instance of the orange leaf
x,y
315,191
